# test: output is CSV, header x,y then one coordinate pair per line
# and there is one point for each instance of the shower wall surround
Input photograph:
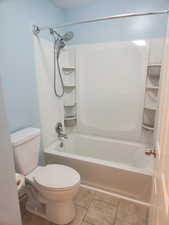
x,y
109,93
111,79
53,109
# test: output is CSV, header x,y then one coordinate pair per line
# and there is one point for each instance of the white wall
x,y
9,207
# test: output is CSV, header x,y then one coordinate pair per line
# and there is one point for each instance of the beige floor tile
x,y
100,213
84,197
84,223
80,214
131,214
106,198
30,219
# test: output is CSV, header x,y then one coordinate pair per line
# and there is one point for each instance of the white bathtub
x,y
116,166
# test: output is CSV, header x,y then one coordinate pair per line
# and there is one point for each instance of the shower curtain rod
x,y
37,29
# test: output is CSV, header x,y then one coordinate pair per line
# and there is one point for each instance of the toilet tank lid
x,y
21,136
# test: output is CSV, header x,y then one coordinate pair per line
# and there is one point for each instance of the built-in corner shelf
x,y
150,108
73,105
68,118
155,65
154,70
68,69
148,127
69,85
151,96
152,88
70,95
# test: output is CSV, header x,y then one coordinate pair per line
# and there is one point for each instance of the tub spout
x,y
63,136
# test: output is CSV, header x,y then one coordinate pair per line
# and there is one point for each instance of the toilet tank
x,y
26,144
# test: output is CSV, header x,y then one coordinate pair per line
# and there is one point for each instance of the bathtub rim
x,y
93,136
96,161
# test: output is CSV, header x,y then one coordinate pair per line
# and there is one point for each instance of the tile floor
x,y
96,208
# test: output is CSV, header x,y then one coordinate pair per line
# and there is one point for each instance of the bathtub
x,y
111,165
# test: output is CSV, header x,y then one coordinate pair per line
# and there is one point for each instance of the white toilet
x,y
51,189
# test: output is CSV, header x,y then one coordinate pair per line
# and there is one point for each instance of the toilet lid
x,y
56,176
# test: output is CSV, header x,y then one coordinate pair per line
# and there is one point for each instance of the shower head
x,y
68,36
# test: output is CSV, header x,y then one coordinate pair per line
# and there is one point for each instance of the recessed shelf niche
x,y
151,96
69,80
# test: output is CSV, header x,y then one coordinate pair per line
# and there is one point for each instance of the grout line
x,y
147,217
88,209
116,195
102,200
117,211
86,223
106,202
83,217
94,199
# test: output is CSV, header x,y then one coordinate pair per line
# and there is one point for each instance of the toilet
x,y
51,188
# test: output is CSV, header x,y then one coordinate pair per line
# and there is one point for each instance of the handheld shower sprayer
x,y
59,43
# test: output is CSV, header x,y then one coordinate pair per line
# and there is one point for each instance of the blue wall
x,y
16,47
16,56
120,29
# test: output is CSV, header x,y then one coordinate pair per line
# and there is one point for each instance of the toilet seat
x,y
56,177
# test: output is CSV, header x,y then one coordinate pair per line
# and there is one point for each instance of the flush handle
x,y
151,152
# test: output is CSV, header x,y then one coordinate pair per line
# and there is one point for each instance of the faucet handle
x,y
59,131
59,127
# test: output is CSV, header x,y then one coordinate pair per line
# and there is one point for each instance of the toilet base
x,y
58,213
39,210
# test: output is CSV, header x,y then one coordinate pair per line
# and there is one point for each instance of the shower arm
x,y
53,32
37,29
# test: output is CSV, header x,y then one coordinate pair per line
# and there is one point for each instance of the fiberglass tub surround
x,y
108,109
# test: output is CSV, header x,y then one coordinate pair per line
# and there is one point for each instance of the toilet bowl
x,y
51,188
56,186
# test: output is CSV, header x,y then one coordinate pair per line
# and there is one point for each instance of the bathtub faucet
x,y
59,131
